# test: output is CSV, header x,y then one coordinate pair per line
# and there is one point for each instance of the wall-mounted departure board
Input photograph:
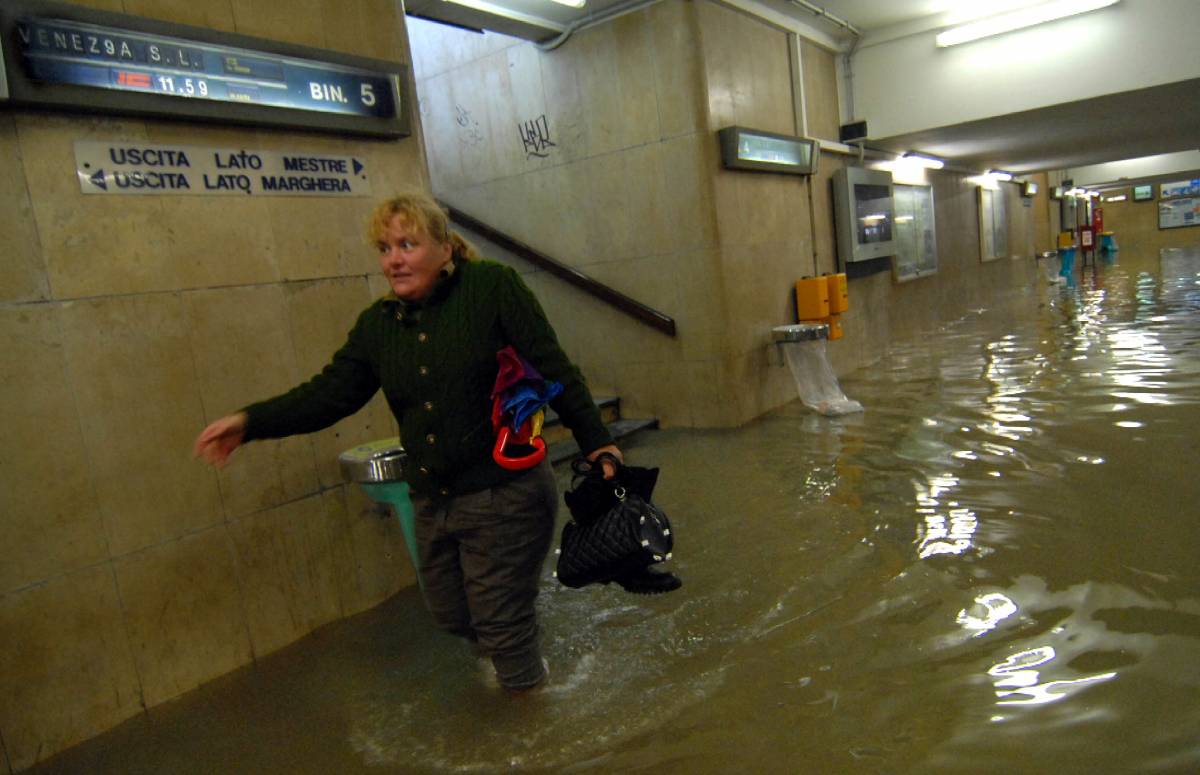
x,y
68,57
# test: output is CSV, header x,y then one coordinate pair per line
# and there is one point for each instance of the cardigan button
x,y
423,371
431,439
429,406
422,337
424,471
444,491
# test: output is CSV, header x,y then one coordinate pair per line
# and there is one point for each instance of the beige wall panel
x,y
771,78
702,316
607,220
650,280
505,150
398,167
367,28
759,297
321,314
320,237
215,240
552,193
1043,231
370,559
437,48
820,91
437,115
68,669
599,87
210,14
49,519
92,245
470,115
636,80
732,220
677,67
821,191
183,610
528,105
241,342
712,398
285,563
565,106
22,273
299,21
129,359
687,163
648,194
657,387
718,31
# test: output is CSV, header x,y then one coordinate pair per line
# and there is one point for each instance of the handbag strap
x,y
584,469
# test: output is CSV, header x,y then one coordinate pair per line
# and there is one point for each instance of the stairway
x,y
561,446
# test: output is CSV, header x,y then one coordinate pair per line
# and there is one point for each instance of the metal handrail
x,y
595,288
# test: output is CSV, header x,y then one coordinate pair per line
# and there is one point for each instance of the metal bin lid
x,y
375,461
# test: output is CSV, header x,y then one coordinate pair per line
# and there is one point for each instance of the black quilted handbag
x,y
616,533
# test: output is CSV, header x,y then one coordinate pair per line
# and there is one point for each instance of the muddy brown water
x,y
993,569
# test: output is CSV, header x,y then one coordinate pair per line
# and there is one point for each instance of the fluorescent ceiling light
x,y
508,13
1000,175
572,3
927,162
1015,20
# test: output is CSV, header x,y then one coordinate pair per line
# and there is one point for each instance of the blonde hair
x,y
419,211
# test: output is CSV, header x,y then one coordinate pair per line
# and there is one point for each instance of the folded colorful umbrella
x,y
518,396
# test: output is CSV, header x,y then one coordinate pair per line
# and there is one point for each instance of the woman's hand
x,y
609,470
218,441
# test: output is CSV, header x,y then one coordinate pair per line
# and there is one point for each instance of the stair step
x,y
566,449
553,431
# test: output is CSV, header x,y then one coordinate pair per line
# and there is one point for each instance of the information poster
x,y
1179,188
1175,213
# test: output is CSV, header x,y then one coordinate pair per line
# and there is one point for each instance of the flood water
x,y
993,569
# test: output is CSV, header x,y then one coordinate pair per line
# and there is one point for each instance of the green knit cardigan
x,y
436,363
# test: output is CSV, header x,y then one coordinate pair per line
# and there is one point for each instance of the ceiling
x,y
1127,125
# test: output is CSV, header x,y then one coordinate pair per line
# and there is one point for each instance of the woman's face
x,y
411,259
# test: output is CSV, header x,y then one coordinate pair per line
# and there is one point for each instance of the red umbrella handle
x,y
518,463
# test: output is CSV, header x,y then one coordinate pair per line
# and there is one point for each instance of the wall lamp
x,y
1016,20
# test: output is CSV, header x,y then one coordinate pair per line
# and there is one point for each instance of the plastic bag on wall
x,y
818,385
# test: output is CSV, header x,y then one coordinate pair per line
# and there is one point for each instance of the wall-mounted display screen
x,y
750,149
864,212
1143,193
67,56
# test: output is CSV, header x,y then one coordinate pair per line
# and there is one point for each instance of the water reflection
x,y
1016,676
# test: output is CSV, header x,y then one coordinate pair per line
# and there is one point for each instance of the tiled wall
x,y
632,192
624,193
132,572
1136,223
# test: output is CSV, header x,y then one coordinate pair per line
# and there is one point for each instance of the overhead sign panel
x,y
68,56
137,168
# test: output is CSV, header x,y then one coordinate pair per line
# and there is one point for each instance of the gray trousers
x,y
481,558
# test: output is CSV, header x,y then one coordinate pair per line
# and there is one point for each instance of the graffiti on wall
x,y
535,135
469,132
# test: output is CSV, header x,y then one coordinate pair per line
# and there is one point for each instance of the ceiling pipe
x,y
599,17
819,11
